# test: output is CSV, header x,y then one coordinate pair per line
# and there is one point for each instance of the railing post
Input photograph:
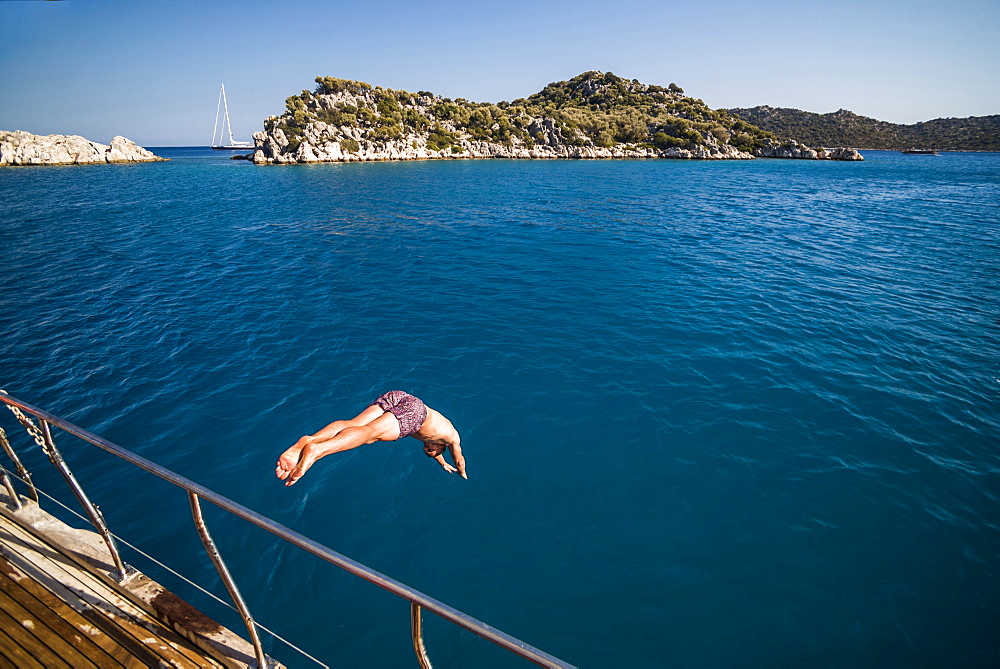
x,y
21,470
14,497
227,579
92,511
417,634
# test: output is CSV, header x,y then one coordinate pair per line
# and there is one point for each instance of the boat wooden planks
x,y
54,614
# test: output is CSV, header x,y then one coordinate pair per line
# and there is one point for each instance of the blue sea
x,y
715,414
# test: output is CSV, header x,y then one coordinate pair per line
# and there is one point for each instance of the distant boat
x,y
921,152
234,145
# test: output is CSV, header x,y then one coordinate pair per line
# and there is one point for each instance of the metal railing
x,y
42,435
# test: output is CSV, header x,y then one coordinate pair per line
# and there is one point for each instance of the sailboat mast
x,y
218,106
228,124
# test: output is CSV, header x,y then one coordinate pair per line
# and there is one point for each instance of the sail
x,y
227,127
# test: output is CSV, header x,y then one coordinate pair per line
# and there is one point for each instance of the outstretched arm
x,y
437,450
456,455
445,464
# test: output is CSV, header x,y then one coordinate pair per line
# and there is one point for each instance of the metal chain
x,y
21,469
28,424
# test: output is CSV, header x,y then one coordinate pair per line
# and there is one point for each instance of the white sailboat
x,y
234,145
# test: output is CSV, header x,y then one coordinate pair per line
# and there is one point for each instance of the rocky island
x,y
23,148
593,115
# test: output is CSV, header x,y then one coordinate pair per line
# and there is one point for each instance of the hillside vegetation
x,y
845,128
594,114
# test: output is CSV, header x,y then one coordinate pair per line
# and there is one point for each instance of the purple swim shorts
x,y
410,411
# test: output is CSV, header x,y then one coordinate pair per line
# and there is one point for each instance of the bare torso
x,y
437,429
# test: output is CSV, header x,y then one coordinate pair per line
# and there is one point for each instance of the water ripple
x,y
690,393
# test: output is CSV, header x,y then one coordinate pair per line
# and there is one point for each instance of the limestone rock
x,y
787,149
124,150
333,144
792,149
842,153
23,148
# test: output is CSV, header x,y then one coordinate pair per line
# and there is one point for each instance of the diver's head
x,y
433,449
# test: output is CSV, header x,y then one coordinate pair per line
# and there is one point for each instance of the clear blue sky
x,y
150,70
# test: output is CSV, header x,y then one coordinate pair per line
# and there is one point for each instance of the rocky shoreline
x,y
23,148
328,144
323,143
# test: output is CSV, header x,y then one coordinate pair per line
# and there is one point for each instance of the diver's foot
x,y
289,460
295,474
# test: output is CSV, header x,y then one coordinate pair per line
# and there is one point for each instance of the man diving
x,y
390,417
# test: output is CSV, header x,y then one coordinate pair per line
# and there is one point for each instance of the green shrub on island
x,y
328,85
440,139
662,140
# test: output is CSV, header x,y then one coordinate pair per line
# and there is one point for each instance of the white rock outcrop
x,y
270,148
841,153
792,149
23,148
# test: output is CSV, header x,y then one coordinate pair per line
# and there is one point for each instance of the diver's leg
x,y
288,459
383,428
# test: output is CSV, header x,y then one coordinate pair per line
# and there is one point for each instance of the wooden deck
x,y
59,607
